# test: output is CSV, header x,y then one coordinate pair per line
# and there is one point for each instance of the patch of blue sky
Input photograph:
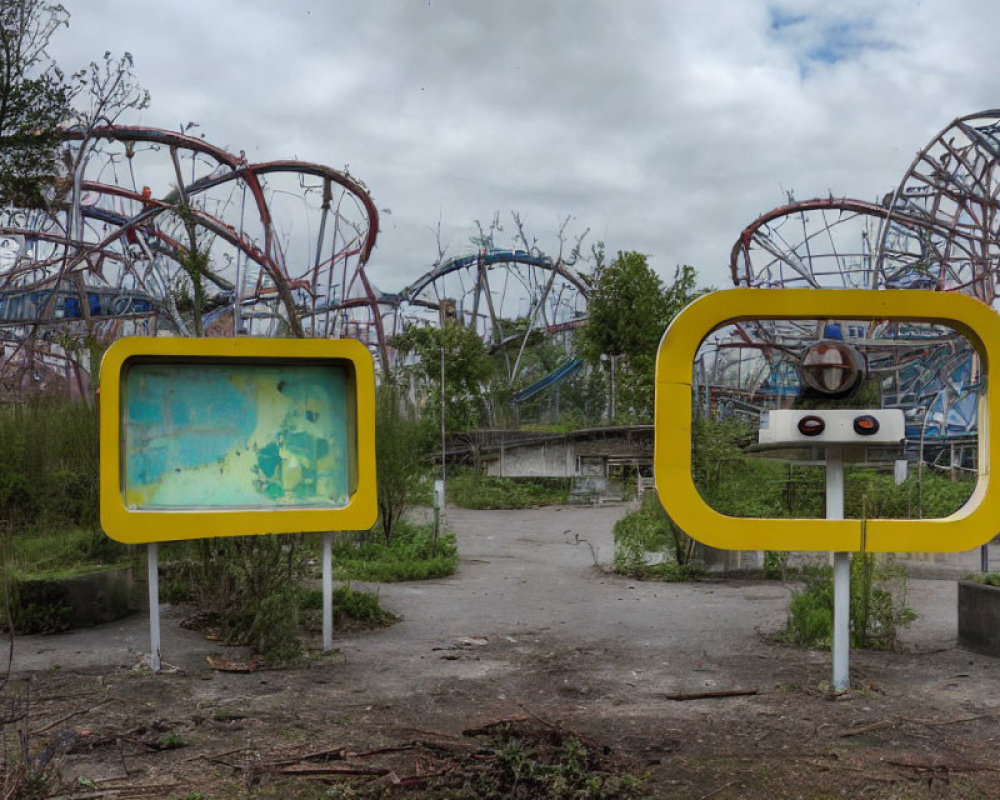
x,y
839,41
818,40
781,19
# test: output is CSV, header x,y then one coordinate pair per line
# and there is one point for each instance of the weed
x,y
740,485
411,554
648,545
548,763
172,741
987,578
402,443
776,564
249,587
223,715
26,783
49,473
349,607
877,605
469,488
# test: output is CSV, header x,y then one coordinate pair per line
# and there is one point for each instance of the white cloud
x,y
663,127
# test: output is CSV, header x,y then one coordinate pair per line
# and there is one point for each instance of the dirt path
x,y
530,627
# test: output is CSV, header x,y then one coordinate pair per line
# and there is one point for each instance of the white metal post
x,y
841,572
327,591
153,579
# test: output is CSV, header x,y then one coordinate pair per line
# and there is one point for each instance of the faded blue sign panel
x,y
231,436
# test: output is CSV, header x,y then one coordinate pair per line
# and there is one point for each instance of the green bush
x,y
349,606
525,764
642,535
469,488
247,585
742,485
403,442
878,606
36,552
49,473
776,564
411,555
38,607
987,578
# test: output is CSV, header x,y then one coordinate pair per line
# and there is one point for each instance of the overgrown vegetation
x,y
34,101
877,602
61,552
410,555
251,591
648,545
742,485
469,488
403,443
49,508
49,472
248,587
529,762
467,366
629,308
351,607
987,578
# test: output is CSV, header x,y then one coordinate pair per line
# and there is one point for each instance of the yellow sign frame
x,y
974,523
142,526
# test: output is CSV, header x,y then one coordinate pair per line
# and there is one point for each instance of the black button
x,y
811,425
865,425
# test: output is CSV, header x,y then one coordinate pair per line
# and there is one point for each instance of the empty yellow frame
x,y
230,437
971,525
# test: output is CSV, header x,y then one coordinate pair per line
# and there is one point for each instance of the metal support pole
x,y
327,591
841,573
841,621
153,579
443,409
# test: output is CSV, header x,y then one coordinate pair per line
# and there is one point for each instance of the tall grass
x,y
49,471
411,555
469,488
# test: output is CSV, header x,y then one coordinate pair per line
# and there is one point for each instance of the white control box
x,y
840,426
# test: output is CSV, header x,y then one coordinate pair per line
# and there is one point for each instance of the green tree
x,y
467,367
402,450
628,310
34,100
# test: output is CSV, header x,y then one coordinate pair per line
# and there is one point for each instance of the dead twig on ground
x,y
721,789
214,756
940,766
70,715
340,769
488,727
435,734
930,723
682,696
328,754
891,723
863,729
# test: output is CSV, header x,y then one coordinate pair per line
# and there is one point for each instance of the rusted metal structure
x,y
938,230
157,231
507,296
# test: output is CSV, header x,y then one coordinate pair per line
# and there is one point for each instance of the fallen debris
x,y
681,696
221,664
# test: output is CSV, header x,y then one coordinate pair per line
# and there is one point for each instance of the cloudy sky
x,y
664,127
